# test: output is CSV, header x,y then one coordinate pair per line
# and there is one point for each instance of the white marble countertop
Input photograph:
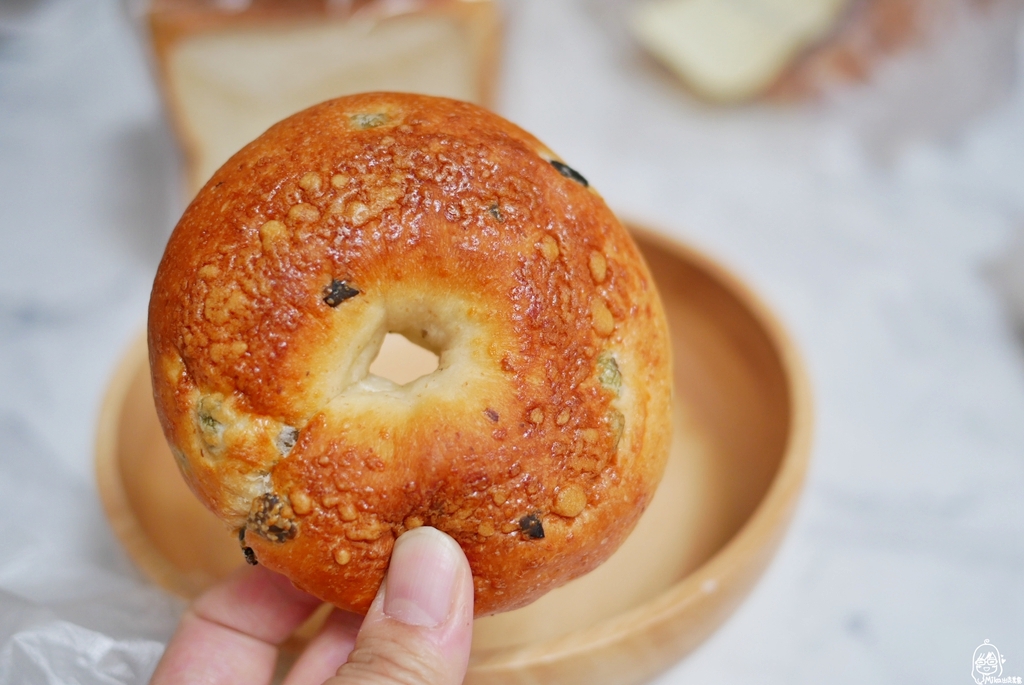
x,y
907,550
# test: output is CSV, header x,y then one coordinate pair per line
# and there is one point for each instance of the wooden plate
x,y
739,454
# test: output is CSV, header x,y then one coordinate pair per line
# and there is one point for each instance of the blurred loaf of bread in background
x,y
229,69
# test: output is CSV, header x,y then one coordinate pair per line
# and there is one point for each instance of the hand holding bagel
x,y
417,630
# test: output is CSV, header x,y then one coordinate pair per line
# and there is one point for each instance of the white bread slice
x,y
230,70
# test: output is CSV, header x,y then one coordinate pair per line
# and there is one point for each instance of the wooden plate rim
x,y
744,556
742,559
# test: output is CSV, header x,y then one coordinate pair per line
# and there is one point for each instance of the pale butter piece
x,y
731,50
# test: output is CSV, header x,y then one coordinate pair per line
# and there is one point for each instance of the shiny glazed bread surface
x,y
536,444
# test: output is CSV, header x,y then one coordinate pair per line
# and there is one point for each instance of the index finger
x,y
231,632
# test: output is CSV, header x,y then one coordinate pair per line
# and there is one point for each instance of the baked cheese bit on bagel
x,y
537,442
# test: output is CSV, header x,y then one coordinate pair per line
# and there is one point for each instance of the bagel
x,y
537,442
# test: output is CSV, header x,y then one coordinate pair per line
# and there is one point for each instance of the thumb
x,y
419,627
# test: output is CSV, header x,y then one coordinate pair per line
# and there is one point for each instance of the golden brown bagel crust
x,y
548,415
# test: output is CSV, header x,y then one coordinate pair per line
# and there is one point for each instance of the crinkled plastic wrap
x,y
55,645
71,611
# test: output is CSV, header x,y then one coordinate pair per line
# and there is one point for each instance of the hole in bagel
x,y
402,361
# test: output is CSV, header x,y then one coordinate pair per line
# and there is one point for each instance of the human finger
x,y
419,627
231,632
328,649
